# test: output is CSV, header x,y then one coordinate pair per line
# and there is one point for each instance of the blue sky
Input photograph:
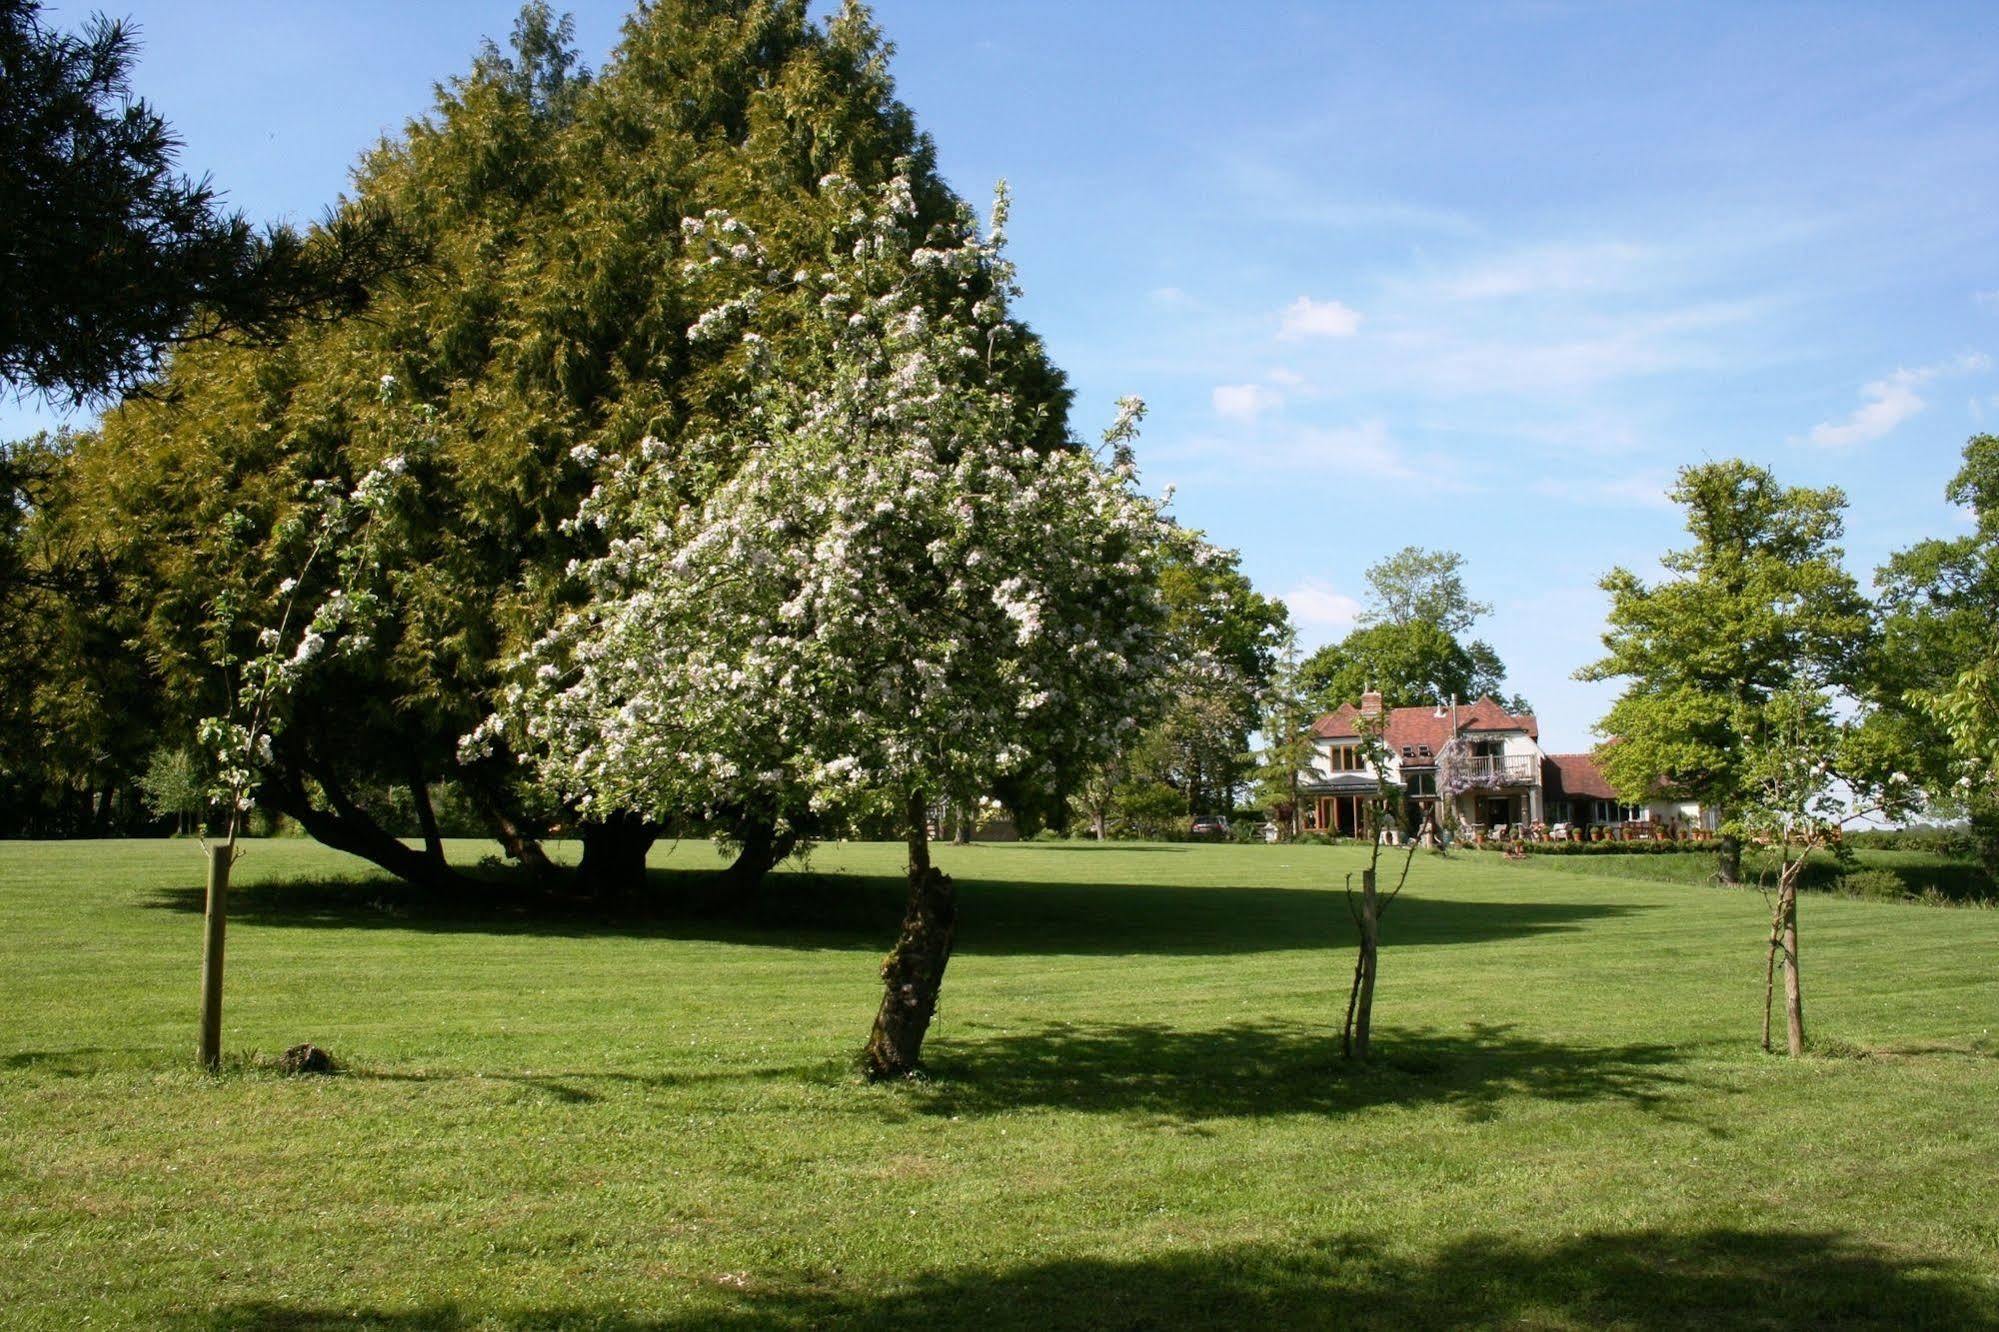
x,y
1469,277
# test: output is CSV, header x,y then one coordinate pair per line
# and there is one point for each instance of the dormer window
x,y
1424,750
1408,751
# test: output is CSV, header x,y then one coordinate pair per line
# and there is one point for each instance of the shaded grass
x,y
632,1116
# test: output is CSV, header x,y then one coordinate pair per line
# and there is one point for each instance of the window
x,y
1423,751
1344,758
1422,784
1408,751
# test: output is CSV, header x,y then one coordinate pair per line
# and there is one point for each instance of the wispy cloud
x,y
1307,318
1316,605
1171,297
1592,266
1284,375
1244,402
1889,401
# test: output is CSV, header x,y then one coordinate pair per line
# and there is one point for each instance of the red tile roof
x,y
1415,727
1575,776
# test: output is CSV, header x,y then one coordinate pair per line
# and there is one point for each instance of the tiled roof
x,y
1575,776
1415,727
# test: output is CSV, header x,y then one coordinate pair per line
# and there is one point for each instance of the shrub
x,y
1879,885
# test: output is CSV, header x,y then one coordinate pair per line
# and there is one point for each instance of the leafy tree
x,y
1410,644
174,786
1288,745
76,717
1759,604
1224,638
889,601
1933,682
1410,665
108,256
1418,586
549,334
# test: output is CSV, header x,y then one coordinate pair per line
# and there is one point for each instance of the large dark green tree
x,y
547,334
108,254
1757,608
1933,683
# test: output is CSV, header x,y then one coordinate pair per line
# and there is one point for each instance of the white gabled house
x,y
1492,759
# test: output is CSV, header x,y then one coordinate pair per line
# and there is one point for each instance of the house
x,y
1485,763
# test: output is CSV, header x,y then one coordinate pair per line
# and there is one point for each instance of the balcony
x,y
1496,769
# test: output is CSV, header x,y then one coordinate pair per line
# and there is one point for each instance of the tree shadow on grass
x,y
996,917
1645,1279
1280,1068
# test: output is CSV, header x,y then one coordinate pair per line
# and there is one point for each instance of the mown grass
x,y
1135,1114
1920,875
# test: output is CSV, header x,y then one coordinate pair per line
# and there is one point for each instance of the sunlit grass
x,y
1135,1114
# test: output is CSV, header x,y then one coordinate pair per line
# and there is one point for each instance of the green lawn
x,y
1916,874
1136,1115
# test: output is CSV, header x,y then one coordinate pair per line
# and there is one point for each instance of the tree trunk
x,y
961,834
347,827
614,855
1360,1004
1728,858
914,971
1100,825
1794,994
426,815
1770,971
215,925
516,841
763,849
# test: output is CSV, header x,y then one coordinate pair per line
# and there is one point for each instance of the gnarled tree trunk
x,y
347,827
614,855
762,848
914,971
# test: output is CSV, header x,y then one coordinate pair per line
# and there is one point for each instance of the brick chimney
x,y
1370,703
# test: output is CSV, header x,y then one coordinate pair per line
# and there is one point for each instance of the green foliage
x,y
174,785
1878,884
1932,683
547,331
1758,605
108,255
1418,586
1410,645
1410,665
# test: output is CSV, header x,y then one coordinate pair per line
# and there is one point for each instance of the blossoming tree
x,y
864,594
328,607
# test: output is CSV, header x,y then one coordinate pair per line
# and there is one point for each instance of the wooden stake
x,y
216,923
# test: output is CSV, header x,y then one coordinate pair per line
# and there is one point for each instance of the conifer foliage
x,y
554,328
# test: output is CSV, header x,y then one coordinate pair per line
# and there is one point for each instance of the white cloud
x,y
1316,605
1244,402
1287,377
1548,268
1890,401
1986,297
1307,318
1171,297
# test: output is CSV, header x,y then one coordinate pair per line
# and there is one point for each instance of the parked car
x,y
1209,825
